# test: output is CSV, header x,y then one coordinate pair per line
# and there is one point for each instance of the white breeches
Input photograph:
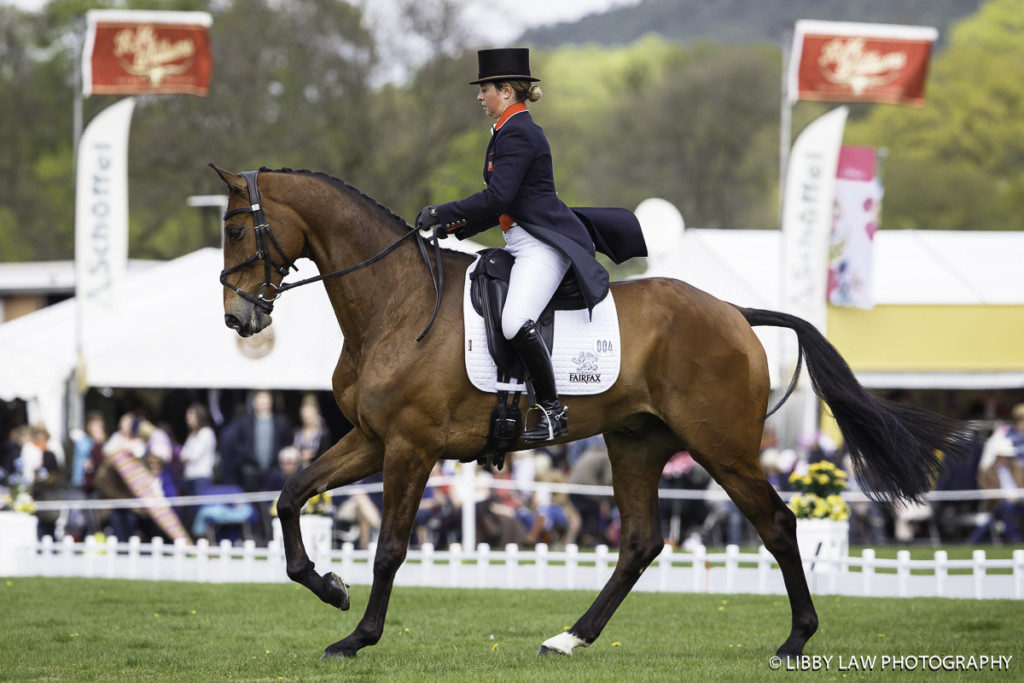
x,y
536,274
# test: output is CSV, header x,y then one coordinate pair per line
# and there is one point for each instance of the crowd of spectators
x,y
254,451
259,447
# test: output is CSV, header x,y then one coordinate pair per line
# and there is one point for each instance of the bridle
x,y
267,293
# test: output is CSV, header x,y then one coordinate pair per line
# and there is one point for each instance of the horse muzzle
x,y
247,323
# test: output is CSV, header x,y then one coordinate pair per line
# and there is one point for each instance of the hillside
x,y
741,21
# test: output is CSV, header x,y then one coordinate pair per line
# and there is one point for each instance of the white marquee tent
x,y
911,267
171,334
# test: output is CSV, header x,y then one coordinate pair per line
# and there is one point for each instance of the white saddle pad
x,y
585,353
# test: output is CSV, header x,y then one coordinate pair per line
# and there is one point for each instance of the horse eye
x,y
235,234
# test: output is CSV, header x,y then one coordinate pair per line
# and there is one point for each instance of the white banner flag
x,y
807,217
101,216
806,222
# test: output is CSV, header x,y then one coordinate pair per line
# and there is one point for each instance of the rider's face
x,y
493,100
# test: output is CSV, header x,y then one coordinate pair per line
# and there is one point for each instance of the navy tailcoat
x,y
520,183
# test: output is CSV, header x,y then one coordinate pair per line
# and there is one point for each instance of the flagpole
x,y
785,141
785,119
77,80
76,387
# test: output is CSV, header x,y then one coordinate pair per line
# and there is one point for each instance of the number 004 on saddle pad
x,y
585,353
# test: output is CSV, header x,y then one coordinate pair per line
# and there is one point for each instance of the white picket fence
x,y
673,571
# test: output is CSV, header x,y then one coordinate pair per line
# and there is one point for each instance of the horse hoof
x,y
545,650
343,649
564,643
793,647
337,591
789,653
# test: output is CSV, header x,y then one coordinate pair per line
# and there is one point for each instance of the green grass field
x,y
87,629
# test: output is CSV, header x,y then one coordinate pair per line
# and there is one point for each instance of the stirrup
x,y
554,424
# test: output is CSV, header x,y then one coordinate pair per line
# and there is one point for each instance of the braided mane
x,y
342,185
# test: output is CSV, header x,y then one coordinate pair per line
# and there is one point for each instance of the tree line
x,y
300,84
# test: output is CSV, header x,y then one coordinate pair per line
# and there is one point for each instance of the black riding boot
x,y
552,421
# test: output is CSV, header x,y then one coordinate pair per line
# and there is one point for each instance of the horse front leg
x,y
354,457
405,476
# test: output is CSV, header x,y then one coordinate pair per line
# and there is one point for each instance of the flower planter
x,y
316,531
17,542
822,539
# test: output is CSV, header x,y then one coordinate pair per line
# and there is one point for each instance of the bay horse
x,y
693,376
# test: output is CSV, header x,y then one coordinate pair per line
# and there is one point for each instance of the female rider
x,y
547,238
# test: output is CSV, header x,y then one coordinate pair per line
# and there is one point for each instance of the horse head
x,y
262,239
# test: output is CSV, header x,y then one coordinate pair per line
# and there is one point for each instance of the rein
x,y
265,238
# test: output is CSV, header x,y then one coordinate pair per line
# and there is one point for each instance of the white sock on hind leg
x,y
564,642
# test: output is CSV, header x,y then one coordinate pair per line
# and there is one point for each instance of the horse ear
x,y
235,182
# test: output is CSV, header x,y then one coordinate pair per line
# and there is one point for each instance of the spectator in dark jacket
x,y
250,443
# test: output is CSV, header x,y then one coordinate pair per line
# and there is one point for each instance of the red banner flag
x,y
849,62
130,52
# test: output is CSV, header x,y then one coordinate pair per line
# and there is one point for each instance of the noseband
x,y
268,292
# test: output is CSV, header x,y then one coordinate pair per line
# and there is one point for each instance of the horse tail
x,y
896,448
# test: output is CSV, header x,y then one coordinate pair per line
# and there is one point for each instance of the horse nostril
x,y
232,321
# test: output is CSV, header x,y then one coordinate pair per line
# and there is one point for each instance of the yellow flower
x,y
796,503
23,503
319,504
841,473
823,479
793,478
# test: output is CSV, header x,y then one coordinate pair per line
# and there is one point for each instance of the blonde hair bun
x,y
523,90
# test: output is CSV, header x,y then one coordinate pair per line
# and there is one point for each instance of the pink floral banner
x,y
858,200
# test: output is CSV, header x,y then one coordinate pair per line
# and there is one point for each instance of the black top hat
x,y
504,64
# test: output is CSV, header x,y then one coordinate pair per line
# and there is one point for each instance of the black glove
x,y
427,218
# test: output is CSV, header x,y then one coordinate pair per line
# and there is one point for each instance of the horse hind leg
x,y
637,462
352,458
738,469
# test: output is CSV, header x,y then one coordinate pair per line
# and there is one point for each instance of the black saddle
x,y
488,292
